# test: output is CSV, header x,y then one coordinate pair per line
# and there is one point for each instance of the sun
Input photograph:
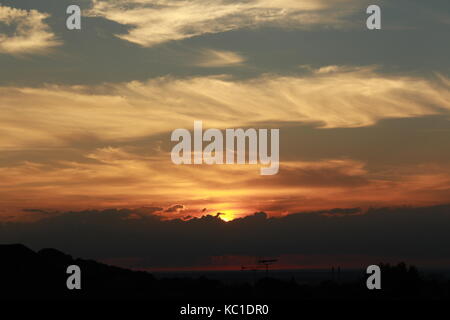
x,y
226,215
226,218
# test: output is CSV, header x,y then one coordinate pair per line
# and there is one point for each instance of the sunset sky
x,y
86,116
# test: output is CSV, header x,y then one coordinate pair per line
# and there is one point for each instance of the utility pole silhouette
x,y
336,274
339,274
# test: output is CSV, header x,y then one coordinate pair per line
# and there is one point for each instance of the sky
x,y
87,115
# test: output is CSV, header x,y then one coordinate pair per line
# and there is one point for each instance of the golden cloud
x,y
157,21
31,34
219,58
52,115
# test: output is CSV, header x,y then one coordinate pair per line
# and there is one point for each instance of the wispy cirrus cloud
x,y
31,34
157,21
53,115
219,58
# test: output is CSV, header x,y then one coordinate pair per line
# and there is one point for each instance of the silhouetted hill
x,y
25,274
42,275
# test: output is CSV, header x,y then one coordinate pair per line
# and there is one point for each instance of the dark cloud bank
x,y
401,233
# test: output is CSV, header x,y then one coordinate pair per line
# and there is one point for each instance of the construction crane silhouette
x,y
267,263
261,264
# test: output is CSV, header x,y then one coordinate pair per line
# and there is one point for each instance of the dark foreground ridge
x,y
25,274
